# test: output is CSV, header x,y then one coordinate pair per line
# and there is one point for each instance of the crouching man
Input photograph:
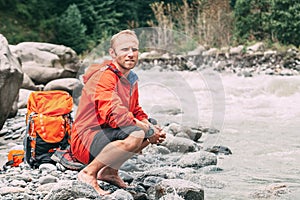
x,y
110,126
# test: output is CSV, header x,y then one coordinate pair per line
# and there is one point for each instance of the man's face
x,y
125,51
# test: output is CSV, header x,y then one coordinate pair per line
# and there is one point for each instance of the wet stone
x,y
220,150
198,159
184,188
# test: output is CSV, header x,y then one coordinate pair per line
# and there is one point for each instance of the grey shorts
x,y
109,135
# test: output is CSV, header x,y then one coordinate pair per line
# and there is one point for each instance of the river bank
x,y
257,118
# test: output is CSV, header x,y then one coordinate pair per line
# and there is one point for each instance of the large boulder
x,y
72,85
29,84
42,75
44,62
11,77
51,55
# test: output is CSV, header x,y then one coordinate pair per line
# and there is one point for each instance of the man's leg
x,y
113,155
111,175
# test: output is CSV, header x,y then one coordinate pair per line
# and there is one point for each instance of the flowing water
x,y
258,119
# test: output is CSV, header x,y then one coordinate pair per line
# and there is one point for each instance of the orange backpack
x,y
49,122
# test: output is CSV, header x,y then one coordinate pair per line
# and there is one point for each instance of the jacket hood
x,y
93,69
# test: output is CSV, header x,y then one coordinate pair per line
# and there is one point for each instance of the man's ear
x,y
112,52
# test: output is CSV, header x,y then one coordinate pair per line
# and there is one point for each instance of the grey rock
x,y
205,181
129,166
179,144
156,149
171,197
11,190
66,189
25,177
210,52
256,47
71,85
211,169
23,98
42,75
47,167
182,135
210,130
18,183
121,194
198,159
151,181
29,53
174,128
11,78
197,51
125,176
29,84
219,150
4,131
184,188
50,55
166,173
236,50
47,187
271,191
14,108
47,179
18,126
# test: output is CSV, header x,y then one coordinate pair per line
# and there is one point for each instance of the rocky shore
x,y
179,168
241,60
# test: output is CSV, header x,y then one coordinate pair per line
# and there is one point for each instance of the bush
x,y
285,20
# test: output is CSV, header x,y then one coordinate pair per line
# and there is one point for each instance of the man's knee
x,y
134,140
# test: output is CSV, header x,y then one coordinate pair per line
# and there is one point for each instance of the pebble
x,y
47,179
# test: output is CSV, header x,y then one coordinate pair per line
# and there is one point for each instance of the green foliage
x,y
37,20
70,31
285,20
206,21
269,20
251,19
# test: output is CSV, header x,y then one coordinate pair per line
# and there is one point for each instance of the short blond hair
x,y
124,32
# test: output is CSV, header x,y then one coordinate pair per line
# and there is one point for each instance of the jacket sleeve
x,y
109,107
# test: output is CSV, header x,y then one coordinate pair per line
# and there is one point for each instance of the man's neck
x,y
124,71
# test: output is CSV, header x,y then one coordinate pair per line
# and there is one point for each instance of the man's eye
x,y
125,49
128,49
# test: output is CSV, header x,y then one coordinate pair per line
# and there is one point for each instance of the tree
x,y
251,19
70,30
285,20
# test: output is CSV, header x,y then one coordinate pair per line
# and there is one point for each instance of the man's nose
x,y
130,52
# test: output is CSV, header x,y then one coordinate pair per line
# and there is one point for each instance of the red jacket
x,y
108,99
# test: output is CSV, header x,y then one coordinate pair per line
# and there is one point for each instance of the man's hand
x,y
158,137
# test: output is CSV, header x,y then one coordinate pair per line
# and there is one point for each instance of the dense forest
x,y
82,24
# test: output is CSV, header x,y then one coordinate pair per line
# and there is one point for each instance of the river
x,y
258,119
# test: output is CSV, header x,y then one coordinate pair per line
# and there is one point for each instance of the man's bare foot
x,y
84,177
111,176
